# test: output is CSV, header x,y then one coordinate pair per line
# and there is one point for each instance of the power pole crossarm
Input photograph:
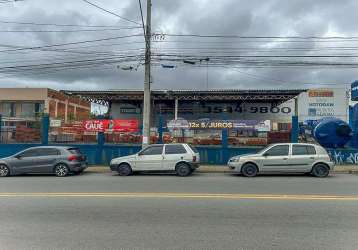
x,y
147,78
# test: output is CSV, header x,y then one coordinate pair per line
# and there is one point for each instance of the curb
x,y
222,169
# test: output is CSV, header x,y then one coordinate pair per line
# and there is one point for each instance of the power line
x,y
141,14
262,56
260,37
259,41
10,1
66,31
56,65
71,43
62,25
110,12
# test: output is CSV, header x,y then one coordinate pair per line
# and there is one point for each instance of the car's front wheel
x,y
249,170
124,169
183,169
61,170
4,171
320,170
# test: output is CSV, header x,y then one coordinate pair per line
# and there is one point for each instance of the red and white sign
x,y
95,125
111,125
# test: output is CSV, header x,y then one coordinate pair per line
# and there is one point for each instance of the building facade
x,y
32,103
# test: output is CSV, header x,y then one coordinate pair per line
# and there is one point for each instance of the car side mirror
x,y
18,157
265,154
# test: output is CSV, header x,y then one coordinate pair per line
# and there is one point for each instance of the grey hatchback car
x,y
59,160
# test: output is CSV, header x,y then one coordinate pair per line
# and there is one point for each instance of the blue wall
x,y
102,154
344,156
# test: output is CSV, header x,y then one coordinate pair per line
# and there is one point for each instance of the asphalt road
x,y
152,211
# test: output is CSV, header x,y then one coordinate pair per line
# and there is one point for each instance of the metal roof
x,y
106,96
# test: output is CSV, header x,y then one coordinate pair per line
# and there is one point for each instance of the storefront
x,y
245,117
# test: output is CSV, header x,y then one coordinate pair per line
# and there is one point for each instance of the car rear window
x,y
303,150
175,149
75,151
194,149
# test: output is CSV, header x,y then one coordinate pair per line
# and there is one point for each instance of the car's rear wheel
x,y
4,171
249,170
124,169
320,170
61,170
183,169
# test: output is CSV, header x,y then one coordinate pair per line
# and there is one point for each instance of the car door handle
x,y
312,158
285,158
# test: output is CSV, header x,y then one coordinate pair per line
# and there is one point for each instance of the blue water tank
x,y
332,133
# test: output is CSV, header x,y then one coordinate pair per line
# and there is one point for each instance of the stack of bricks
x,y
278,137
25,134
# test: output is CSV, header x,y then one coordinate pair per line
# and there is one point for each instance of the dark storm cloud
x,y
226,17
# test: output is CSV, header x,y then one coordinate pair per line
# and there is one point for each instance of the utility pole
x,y
147,79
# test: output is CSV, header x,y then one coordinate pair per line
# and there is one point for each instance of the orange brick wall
x,y
62,97
52,109
82,114
70,112
61,110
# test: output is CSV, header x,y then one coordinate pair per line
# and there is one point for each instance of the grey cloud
x,y
250,18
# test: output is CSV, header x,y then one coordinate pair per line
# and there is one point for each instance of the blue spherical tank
x,y
332,133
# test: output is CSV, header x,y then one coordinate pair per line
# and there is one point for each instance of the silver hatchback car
x,y
58,160
284,158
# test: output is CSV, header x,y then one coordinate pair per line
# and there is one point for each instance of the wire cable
x,y
260,37
110,12
71,43
65,31
62,25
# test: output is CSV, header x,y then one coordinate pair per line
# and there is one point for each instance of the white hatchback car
x,y
284,158
181,158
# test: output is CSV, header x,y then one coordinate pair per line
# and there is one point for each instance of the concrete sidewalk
x,y
347,169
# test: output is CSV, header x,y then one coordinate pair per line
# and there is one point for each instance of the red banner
x,y
123,125
111,125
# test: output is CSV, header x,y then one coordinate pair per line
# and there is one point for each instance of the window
x,y
280,150
39,108
28,109
29,153
8,109
152,150
303,150
311,150
48,152
75,151
194,149
175,149
40,152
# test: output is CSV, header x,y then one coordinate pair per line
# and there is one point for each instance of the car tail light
x,y
194,158
72,158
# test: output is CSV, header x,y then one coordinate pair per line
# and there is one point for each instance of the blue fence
x,y
101,153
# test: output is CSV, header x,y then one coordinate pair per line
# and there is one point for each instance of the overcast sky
x,y
322,18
